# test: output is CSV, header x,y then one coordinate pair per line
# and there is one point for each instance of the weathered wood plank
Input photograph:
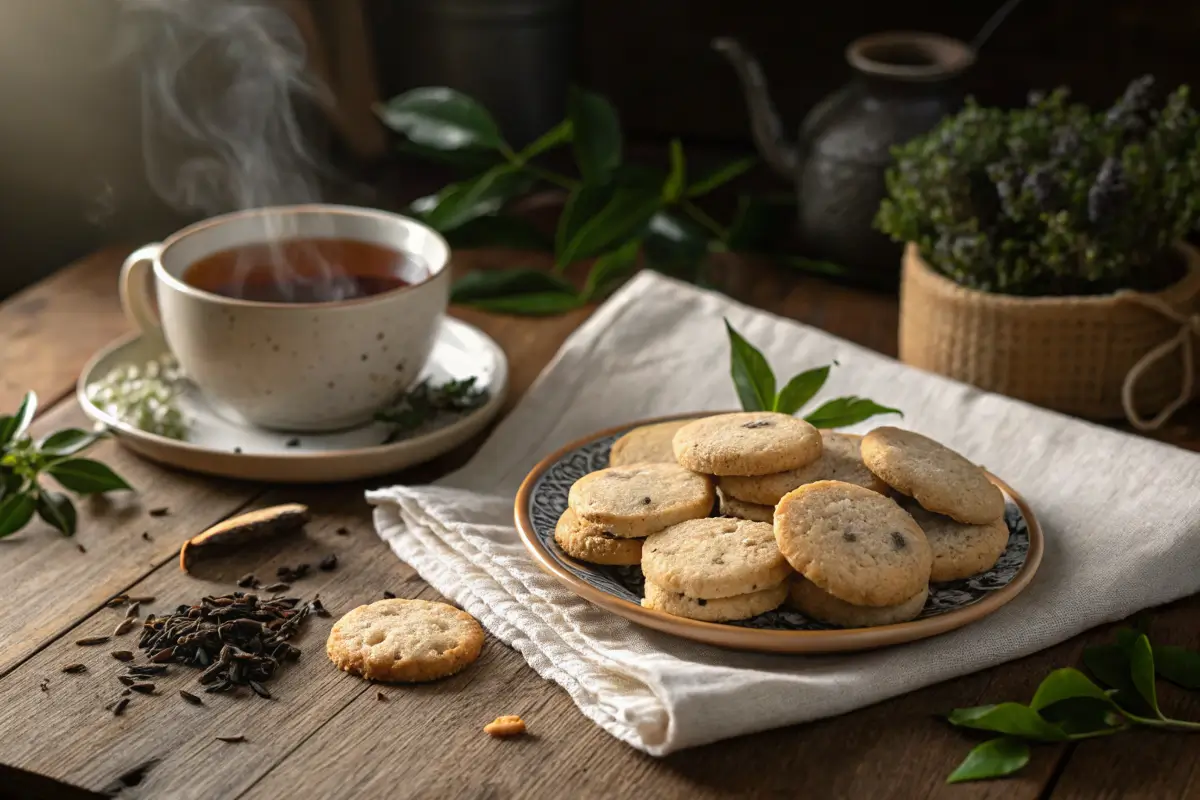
x,y
68,735
1144,764
50,330
49,585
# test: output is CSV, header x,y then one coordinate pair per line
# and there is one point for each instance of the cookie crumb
x,y
502,727
381,697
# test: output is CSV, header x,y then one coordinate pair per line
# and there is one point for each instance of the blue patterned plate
x,y
543,497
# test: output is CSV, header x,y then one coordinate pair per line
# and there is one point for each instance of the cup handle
x,y
135,292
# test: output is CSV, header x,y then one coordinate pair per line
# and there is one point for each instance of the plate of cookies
x,y
757,531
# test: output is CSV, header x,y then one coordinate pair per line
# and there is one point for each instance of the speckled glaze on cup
x,y
298,367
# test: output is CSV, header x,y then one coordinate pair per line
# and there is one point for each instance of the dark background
x,y
70,165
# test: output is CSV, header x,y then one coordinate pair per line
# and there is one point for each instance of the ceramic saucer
x,y
220,443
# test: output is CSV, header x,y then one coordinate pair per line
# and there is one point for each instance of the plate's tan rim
x,y
90,410
839,640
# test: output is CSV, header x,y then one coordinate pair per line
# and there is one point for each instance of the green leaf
x,y
847,411
85,476
57,510
1141,670
597,135
498,230
1064,684
800,390
68,442
609,269
1081,716
560,134
480,196
13,427
752,375
10,482
992,759
814,266
1109,664
625,215
720,176
675,245
582,204
442,119
538,304
672,189
1178,665
15,512
1013,719
462,162
492,284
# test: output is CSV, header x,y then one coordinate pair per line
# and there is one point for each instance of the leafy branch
x,y
755,384
1069,706
23,461
615,213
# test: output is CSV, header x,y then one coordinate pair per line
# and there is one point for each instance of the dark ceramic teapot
x,y
905,83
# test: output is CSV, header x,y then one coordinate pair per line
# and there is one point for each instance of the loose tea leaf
x,y
425,403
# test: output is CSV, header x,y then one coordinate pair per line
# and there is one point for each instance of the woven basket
x,y
1071,354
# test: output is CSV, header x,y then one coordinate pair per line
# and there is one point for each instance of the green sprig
x,y
1069,706
755,384
425,403
23,461
616,213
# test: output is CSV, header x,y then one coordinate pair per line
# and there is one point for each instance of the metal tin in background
x,y
517,57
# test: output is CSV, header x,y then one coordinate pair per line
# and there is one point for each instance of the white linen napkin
x,y
1121,517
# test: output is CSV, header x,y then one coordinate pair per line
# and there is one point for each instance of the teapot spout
x,y
764,119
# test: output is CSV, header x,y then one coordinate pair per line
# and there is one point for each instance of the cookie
x,y
732,507
647,444
746,443
592,543
839,461
404,641
856,544
713,558
960,550
808,599
726,609
641,499
935,476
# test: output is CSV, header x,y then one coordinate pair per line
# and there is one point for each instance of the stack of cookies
x,y
851,530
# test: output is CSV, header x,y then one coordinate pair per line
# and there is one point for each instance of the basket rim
x,y
1180,292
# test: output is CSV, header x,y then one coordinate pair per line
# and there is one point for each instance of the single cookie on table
x,y
641,499
591,542
732,507
856,544
714,558
809,599
746,443
725,609
647,444
839,461
935,476
404,641
959,550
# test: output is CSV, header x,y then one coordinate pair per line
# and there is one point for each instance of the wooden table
x,y
327,734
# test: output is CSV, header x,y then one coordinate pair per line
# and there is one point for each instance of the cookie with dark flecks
x,y
646,444
746,443
855,544
959,550
938,478
813,601
840,460
725,609
714,558
593,543
641,499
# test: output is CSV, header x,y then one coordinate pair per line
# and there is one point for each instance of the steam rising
x,y
224,86
220,85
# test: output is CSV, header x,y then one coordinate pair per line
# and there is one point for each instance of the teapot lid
x,y
910,56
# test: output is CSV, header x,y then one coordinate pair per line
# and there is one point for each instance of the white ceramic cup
x,y
292,366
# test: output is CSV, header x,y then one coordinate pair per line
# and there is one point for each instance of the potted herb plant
x,y
1046,255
